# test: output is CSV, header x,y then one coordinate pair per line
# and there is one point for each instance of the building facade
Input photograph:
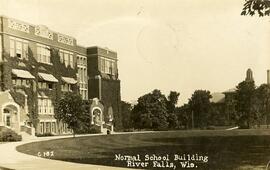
x,y
37,66
103,79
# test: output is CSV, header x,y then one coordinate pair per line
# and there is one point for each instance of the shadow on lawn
x,y
224,152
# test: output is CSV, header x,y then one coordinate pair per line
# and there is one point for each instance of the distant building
x,y
227,98
249,76
38,65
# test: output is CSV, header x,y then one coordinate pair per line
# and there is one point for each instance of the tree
x,y
33,117
69,110
126,111
172,101
200,105
262,7
151,111
216,115
184,116
171,105
246,104
263,98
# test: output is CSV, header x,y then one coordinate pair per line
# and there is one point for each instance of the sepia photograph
x,y
134,84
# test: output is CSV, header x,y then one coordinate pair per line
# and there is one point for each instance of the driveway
x,y
11,159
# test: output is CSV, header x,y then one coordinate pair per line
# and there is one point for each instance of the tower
x,y
249,76
103,82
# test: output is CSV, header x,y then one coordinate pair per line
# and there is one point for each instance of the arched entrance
x,y
11,116
97,116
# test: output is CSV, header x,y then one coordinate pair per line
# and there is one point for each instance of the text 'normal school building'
x,y
37,66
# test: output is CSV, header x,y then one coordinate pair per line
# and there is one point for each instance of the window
x,y
48,127
8,120
66,87
25,50
103,65
21,82
40,106
50,86
45,85
82,79
41,127
12,48
43,54
45,106
107,66
53,127
79,74
81,60
111,68
49,106
83,93
82,75
66,57
18,48
61,54
71,60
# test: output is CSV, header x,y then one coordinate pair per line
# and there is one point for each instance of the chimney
x,y
268,77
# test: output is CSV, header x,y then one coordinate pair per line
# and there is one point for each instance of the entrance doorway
x,y
11,117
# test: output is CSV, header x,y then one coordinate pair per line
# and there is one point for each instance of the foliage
x,y
44,135
199,104
8,135
111,97
172,120
172,100
262,7
184,116
33,117
151,112
126,113
19,98
263,102
217,116
57,68
246,110
69,109
93,130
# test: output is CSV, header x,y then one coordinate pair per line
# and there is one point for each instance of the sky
x,y
171,45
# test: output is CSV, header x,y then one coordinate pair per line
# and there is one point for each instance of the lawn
x,y
223,149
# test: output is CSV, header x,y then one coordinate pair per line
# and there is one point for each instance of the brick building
x,y
38,65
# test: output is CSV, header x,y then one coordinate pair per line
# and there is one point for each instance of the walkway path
x,y
12,159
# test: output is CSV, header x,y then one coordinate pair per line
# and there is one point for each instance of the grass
x,y
237,149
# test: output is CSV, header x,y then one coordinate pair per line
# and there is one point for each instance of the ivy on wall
x,y
57,69
111,97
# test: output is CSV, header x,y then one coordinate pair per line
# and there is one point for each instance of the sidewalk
x,y
11,159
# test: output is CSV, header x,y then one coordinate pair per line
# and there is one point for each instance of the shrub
x,y
43,135
211,128
129,130
93,130
8,135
